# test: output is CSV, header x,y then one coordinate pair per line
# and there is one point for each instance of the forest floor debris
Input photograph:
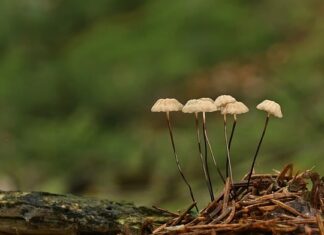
x,y
279,203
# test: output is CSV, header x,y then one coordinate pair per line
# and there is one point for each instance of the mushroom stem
x,y
230,141
177,160
200,152
258,148
206,163
227,150
214,160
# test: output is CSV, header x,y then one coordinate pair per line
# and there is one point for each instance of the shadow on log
x,y
39,213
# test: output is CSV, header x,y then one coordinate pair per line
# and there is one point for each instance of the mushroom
x,y
194,106
172,105
221,102
234,109
212,109
271,108
207,105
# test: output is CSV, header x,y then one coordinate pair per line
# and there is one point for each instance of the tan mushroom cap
x,y
192,106
207,105
223,100
167,105
199,105
206,99
235,108
271,107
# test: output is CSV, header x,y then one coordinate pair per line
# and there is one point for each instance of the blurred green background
x,y
78,79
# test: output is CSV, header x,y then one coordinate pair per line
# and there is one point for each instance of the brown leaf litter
x,y
277,203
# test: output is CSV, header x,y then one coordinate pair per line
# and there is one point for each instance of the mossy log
x,y
41,213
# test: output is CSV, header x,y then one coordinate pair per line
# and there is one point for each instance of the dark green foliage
x,y
77,80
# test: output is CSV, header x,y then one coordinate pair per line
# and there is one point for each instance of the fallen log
x,y
40,213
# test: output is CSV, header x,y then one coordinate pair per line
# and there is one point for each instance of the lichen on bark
x,y
47,213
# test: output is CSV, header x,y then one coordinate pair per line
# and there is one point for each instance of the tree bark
x,y
40,213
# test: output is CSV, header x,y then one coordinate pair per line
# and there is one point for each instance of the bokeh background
x,y
78,79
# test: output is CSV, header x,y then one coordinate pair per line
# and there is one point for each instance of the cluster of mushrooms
x,y
227,105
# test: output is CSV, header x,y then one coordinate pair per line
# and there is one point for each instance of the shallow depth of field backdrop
x,y
78,79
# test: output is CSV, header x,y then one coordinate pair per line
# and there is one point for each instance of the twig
x,y
166,211
288,208
232,214
178,220
320,223
226,193
221,216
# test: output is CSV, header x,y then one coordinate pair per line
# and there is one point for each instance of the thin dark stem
x,y
258,148
230,142
177,160
214,159
200,152
227,151
206,163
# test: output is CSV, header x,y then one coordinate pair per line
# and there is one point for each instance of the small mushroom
x,y
221,102
207,105
172,105
194,106
271,108
234,109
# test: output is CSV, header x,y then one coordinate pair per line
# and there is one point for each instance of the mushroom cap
x,y
192,106
235,108
207,99
207,105
199,105
167,105
223,100
271,108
